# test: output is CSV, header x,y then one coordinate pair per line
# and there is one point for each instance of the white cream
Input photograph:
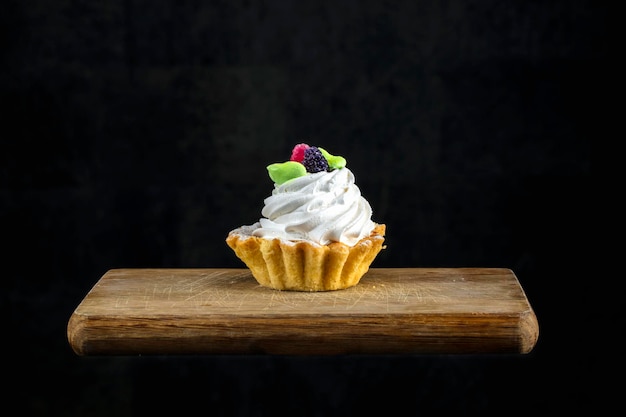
x,y
323,207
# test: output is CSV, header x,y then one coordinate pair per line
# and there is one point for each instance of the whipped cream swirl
x,y
322,207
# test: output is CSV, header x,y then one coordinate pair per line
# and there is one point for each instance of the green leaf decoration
x,y
334,161
281,172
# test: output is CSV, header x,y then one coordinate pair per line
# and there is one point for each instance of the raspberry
x,y
297,154
314,160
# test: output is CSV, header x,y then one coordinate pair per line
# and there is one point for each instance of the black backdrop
x,y
136,134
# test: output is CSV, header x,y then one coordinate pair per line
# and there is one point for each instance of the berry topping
x,y
297,154
304,160
314,160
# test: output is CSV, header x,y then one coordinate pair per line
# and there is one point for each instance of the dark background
x,y
136,134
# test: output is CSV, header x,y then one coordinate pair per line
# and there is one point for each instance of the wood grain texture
x,y
225,311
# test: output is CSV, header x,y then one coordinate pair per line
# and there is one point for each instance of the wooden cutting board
x,y
225,311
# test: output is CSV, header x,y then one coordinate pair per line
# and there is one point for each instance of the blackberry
x,y
314,160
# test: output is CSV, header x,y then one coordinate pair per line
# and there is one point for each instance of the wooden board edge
x,y
529,331
76,334
412,335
